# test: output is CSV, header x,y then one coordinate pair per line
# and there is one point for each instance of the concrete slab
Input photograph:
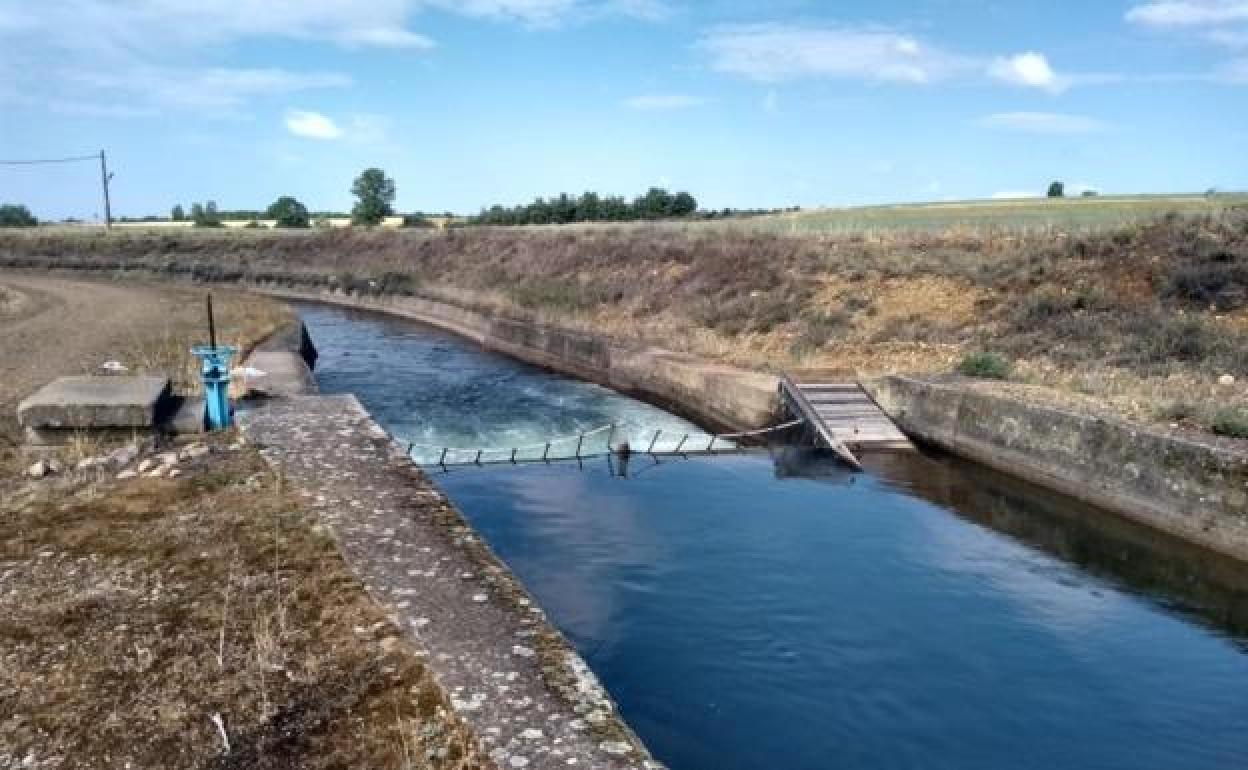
x,y
95,403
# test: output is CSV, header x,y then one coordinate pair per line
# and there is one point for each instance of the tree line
x,y
657,203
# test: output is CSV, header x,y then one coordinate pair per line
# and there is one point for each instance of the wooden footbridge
x,y
841,415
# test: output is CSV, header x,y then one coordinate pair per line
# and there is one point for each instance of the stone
x,y
175,472
1226,380
127,475
168,458
39,469
616,748
123,456
147,465
95,403
195,451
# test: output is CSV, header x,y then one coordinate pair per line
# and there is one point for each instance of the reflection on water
x,y
764,610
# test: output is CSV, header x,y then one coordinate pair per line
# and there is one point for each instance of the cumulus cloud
x,y
657,102
1028,69
311,125
777,52
1044,123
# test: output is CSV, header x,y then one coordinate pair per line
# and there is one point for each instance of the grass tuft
x,y
988,366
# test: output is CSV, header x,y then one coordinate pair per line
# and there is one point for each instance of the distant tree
x,y
178,214
374,192
206,214
683,205
1057,190
14,215
288,212
1088,194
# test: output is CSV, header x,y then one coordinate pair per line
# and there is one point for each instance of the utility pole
x,y
104,178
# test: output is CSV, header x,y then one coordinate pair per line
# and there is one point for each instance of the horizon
x,y
502,101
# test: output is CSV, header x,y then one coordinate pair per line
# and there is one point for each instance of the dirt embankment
x,y
1146,322
137,612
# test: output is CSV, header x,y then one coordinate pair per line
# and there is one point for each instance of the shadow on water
x,y
1145,560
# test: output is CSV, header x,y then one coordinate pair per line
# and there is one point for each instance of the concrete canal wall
x,y
1195,491
717,396
1191,489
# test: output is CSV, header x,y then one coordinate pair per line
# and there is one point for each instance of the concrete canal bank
x,y
1195,491
530,699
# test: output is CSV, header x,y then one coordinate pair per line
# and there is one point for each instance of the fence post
x,y
442,459
477,461
513,456
711,446
683,439
546,452
579,439
610,436
653,441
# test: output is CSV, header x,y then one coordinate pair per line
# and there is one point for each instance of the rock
x,y
168,458
156,472
532,734
147,465
39,470
127,475
1226,380
88,463
54,465
194,451
124,456
175,472
616,748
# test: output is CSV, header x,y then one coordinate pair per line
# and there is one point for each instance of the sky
x,y
468,103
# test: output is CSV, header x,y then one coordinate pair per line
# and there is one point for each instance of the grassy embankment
x,y
134,614
1140,320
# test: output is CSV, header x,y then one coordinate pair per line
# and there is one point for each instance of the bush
x,y
988,366
417,220
12,215
1231,422
288,212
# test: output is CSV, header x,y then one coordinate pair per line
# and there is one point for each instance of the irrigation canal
x,y
770,610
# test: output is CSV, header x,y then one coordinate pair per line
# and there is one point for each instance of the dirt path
x,y
71,327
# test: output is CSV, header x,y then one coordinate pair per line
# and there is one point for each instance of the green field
x,y
1027,215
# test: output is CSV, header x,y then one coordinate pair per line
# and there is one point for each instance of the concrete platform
x,y
96,403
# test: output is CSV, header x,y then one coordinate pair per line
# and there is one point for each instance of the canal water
x,y
770,610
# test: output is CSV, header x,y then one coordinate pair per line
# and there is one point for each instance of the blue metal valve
x,y
215,373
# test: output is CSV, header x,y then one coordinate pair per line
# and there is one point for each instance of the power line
x,y
48,160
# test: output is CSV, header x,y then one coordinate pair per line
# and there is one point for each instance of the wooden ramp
x,y
842,416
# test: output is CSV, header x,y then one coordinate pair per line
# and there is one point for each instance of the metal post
x,y
104,177
513,456
610,436
442,459
653,441
711,446
477,461
683,439
212,326
546,452
579,439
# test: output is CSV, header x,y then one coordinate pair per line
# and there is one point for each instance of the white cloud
x,y
1029,69
657,102
1044,123
550,13
777,52
1189,13
311,125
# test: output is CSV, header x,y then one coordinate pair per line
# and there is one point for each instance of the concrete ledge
x,y
94,403
1192,490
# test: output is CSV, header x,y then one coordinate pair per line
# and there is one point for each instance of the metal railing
x,y
586,445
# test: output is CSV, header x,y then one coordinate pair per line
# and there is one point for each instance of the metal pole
x,y
442,459
579,439
653,441
711,446
478,460
546,452
104,177
513,456
212,326
683,439
610,436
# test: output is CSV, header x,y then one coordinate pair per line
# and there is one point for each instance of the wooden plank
x,y
799,403
843,413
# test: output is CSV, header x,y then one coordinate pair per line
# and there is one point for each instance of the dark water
x,y
771,611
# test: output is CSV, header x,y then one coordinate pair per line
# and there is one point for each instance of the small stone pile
x,y
150,463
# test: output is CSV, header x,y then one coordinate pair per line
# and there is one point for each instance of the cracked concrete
x,y
531,700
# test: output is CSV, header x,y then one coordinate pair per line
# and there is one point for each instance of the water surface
x,y
771,610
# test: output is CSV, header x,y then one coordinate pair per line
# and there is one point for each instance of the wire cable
x,y
48,160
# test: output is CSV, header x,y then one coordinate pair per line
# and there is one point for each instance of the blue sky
x,y
473,102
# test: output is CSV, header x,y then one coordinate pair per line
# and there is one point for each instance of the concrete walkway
x,y
531,700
